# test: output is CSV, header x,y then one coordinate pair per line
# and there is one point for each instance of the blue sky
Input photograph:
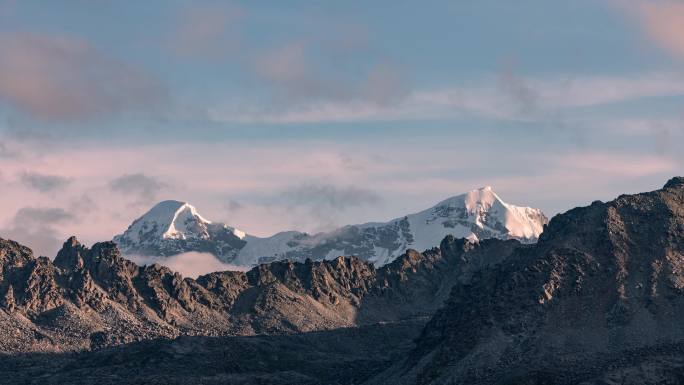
x,y
109,106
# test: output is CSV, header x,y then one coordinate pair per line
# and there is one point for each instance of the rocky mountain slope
x,y
332,357
599,299
173,227
91,298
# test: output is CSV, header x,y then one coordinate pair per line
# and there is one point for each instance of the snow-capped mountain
x,y
173,227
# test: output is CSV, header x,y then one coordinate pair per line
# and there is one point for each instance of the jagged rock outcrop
x,y
599,299
88,298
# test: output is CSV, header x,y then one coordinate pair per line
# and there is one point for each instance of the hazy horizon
x,y
295,116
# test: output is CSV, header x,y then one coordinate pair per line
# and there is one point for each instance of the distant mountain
x,y
173,227
598,299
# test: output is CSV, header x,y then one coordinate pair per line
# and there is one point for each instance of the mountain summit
x,y
173,227
597,300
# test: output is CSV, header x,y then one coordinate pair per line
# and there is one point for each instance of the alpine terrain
x,y
597,300
173,227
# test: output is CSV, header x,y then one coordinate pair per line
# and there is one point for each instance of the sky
x,y
308,115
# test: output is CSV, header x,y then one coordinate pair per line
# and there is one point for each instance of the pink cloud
x,y
190,265
211,175
63,78
384,86
288,68
663,21
207,31
307,85
383,96
625,165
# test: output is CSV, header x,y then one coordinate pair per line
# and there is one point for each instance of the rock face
x,y
92,298
173,227
599,299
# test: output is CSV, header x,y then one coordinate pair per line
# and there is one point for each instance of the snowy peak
x,y
474,201
173,227
486,210
482,198
477,214
169,220
186,215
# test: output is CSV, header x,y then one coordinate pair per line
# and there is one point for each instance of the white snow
x,y
477,214
238,233
180,224
259,247
171,220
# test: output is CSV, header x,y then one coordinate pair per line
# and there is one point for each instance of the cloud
x,y
506,96
234,205
548,172
144,188
314,112
324,202
59,78
309,72
616,164
521,94
38,216
43,182
35,227
43,241
207,30
191,264
543,96
288,69
384,85
283,64
663,21
334,197
83,203
6,152
663,132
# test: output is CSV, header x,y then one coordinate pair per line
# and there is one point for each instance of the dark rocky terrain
x,y
598,300
92,298
341,356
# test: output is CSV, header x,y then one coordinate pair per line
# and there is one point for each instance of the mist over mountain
x,y
173,227
596,300
300,193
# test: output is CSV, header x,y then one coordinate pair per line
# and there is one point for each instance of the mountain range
x,y
598,299
92,297
174,227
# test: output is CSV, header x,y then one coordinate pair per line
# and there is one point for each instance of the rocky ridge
x,y
599,299
89,298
